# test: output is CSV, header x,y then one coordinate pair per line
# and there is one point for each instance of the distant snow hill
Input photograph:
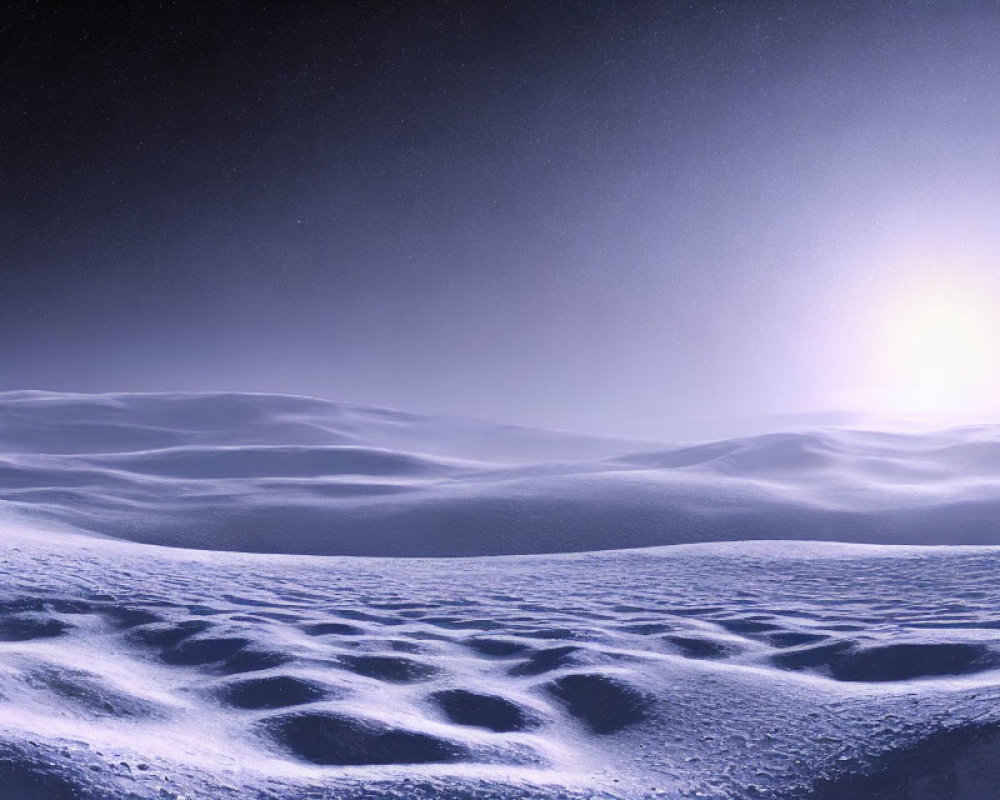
x,y
284,474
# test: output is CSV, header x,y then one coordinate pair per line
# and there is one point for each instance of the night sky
x,y
573,214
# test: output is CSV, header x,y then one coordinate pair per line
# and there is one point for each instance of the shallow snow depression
x,y
785,670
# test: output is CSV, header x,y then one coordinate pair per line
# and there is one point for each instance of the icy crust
x,y
279,474
734,671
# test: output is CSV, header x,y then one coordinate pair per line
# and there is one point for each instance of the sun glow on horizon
x,y
941,351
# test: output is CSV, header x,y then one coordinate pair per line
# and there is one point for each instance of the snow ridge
x,y
282,474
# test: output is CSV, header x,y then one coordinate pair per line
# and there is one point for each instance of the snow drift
x,y
774,670
281,474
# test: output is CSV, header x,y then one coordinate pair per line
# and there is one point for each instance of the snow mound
x,y
280,474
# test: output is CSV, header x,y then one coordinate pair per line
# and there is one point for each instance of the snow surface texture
x,y
280,474
810,671
784,670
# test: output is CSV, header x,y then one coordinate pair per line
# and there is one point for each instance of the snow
x,y
789,670
280,474
733,670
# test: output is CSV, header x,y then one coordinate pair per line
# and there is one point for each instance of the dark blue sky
x,y
563,213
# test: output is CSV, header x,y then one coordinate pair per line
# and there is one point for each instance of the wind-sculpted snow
x,y
52,422
269,473
764,670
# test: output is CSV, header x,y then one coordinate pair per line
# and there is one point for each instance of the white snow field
x,y
785,670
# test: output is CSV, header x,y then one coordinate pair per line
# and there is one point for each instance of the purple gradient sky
x,y
571,214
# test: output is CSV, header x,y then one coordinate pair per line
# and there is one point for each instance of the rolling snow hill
x,y
280,474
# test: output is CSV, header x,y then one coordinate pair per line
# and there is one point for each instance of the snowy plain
x,y
232,596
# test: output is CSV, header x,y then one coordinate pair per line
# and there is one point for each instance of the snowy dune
x,y
279,474
775,670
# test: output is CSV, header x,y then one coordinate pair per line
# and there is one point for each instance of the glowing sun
x,y
942,351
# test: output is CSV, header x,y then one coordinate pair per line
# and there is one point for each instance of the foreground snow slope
x,y
271,473
757,670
